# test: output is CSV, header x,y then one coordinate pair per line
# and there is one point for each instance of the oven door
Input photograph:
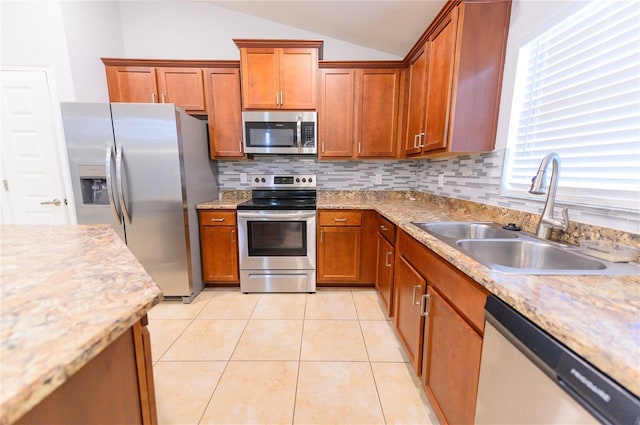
x,y
277,240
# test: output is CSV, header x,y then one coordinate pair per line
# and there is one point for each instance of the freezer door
x,y
151,186
89,136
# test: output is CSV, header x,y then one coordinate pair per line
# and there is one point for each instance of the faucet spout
x,y
547,220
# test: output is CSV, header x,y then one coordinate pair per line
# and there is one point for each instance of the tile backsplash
x,y
473,177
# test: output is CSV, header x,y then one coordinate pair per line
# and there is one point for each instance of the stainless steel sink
x,y
514,252
528,256
466,230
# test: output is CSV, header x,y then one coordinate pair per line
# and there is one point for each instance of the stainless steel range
x,y
277,234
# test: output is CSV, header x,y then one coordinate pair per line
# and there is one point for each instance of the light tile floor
x,y
326,358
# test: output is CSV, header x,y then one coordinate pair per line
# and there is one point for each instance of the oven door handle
x,y
278,215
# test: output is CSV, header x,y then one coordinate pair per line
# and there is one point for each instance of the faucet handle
x,y
565,219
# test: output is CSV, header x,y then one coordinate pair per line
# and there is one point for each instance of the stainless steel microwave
x,y
280,132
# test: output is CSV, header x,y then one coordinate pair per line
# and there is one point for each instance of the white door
x,y
33,187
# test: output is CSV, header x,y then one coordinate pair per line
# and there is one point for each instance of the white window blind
x,y
578,94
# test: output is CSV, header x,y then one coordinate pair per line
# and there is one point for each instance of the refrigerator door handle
x,y
123,204
112,199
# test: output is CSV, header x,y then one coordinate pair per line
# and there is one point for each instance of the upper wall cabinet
x,y
147,84
358,112
224,112
455,79
279,74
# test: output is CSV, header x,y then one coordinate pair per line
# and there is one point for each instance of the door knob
x,y
55,202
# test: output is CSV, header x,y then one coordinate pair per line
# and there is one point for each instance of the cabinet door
x,y
298,78
335,120
182,86
259,70
219,247
416,103
224,113
408,289
377,101
440,82
339,254
384,276
451,363
132,84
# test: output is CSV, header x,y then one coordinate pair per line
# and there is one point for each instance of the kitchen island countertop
x,y
67,292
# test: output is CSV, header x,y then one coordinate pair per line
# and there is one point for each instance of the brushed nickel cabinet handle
x,y
277,99
415,141
340,220
321,235
359,147
415,288
153,98
217,220
383,228
426,303
163,98
233,236
421,137
322,147
386,259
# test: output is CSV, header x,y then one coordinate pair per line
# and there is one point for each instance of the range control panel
x,y
295,181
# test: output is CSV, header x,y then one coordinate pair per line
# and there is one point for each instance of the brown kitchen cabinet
x,y
116,386
451,361
456,78
182,86
224,112
358,114
219,246
408,287
386,232
339,246
454,325
279,74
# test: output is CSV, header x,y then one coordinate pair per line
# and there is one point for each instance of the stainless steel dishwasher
x,y
528,377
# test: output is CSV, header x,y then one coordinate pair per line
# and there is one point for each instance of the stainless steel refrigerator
x,y
143,168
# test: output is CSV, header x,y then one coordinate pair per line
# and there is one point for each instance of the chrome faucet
x,y
547,221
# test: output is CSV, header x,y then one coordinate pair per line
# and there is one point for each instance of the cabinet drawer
x,y
339,218
217,218
387,229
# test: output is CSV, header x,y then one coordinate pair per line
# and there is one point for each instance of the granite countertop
x,y
598,317
67,292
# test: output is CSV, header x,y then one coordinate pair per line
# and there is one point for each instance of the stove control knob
x,y
310,179
297,179
257,180
263,180
304,180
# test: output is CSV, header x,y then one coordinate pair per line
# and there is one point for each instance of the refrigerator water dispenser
x,y
93,184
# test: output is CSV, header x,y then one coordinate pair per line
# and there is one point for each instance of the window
x,y
577,93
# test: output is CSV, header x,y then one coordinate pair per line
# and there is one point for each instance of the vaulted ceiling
x,y
390,26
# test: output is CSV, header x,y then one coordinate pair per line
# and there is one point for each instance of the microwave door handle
x,y
299,132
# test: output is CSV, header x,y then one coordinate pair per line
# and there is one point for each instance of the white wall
x,y
32,34
92,30
199,30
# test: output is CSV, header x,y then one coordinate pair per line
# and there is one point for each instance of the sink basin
x,y
528,256
466,230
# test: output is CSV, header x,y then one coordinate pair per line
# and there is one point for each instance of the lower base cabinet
x,y
451,361
439,317
219,247
409,286
115,387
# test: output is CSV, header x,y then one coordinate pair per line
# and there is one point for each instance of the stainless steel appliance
x,y
280,132
527,377
142,168
277,235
